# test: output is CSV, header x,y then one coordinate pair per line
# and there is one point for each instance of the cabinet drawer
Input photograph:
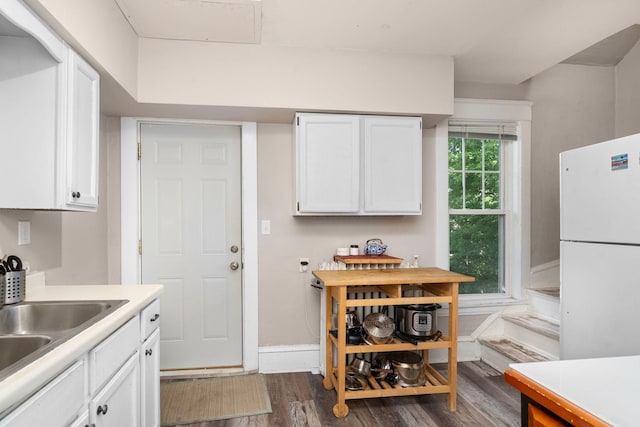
x,y
56,404
108,356
150,319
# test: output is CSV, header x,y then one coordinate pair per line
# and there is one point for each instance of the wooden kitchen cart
x,y
390,287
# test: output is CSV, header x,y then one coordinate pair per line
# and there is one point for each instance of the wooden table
x,y
395,287
586,392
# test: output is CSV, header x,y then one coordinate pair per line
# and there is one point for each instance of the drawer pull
x,y
154,318
103,409
148,352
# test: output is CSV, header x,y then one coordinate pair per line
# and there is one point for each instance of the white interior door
x,y
191,239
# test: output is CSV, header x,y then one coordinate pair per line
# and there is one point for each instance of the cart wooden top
x,y
392,276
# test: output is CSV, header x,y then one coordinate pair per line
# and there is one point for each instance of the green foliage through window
x,y
476,234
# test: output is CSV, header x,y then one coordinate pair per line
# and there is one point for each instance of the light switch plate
x,y
24,232
266,226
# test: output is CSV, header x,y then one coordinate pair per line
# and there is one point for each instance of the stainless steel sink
x,y
14,348
29,330
44,317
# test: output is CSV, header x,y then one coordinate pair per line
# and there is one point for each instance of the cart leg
x,y
327,383
453,350
340,410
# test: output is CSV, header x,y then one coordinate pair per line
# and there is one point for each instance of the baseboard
x,y
306,358
545,275
289,358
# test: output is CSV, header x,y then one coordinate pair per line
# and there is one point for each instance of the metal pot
x,y
352,319
361,366
409,368
377,328
417,320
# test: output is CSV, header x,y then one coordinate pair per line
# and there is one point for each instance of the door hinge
x,y
140,246
298,121
139,150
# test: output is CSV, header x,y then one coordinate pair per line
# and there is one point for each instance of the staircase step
x,y
545,301
513,350
543,326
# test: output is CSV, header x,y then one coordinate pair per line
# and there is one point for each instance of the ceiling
x,y
492,41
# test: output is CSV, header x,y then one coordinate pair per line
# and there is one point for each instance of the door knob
x,y
234,265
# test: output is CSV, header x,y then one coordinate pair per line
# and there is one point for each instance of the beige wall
x,y
98,30
628,94
289,307
199,73
573,106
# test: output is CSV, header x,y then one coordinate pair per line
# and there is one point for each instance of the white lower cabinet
x,y
56,404
117,404
82,421
116,383
150,381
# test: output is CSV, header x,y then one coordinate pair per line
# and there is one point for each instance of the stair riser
x,y
533,339
545,306
494,359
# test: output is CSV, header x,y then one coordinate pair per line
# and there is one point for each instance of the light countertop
x,y
34,376
607,387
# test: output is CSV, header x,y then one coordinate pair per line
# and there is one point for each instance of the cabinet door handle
x,y
154,318
148,352
103,409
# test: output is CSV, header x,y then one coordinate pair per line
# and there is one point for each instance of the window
x,y
480,204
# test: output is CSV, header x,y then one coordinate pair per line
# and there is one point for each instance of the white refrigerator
x,y
600,249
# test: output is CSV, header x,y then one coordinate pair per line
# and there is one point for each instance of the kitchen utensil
x,y
12,280
354,335
352,319
377,328
361,366
409,368
417,320
13,263
374,247
381,366
355,381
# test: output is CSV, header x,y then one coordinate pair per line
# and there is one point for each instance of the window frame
x,y
516,165
505,211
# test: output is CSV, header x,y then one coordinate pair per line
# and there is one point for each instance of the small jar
x,y
353,250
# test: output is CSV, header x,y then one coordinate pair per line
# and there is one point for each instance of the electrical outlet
x,y
304,265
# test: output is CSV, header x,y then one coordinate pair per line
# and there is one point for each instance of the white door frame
x,y
130,222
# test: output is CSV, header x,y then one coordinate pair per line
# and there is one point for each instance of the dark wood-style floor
x,y
299,399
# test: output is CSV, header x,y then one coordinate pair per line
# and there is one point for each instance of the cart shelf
x,y
389,287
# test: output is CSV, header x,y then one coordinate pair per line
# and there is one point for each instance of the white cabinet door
x,y
150,381
328,163
118,403
392,165
82,136
56,404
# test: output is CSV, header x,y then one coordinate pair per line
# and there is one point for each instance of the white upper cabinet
x,y
328,163
49,112
392,165
82,137
358,165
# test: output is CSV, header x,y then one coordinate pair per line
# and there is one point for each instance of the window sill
x,y
486,305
